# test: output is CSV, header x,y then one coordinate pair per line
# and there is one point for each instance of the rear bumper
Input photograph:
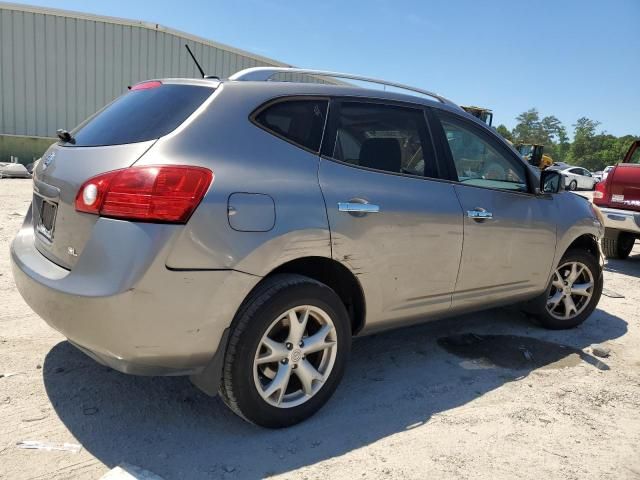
x,y
624,220
123,307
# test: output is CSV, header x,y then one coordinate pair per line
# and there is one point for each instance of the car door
x,y
509,231
580,177
393,223
575,174
588,179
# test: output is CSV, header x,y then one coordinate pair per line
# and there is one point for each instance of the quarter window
x,y
298,121
383,137
479,163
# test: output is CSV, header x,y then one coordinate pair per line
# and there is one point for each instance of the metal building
x,y
58,67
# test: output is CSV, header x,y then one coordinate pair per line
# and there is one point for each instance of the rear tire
x,y
618,247
573,186
267,379
555,312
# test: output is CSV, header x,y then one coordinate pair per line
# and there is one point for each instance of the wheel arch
x,y
336,276
587,242
323,269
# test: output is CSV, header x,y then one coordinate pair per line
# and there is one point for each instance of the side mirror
x,y
551,181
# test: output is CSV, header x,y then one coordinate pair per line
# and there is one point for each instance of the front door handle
x,y
479,214
355,207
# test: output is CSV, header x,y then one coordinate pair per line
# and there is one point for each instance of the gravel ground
x,y
512,402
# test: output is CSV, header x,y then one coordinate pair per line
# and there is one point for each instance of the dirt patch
x,y
515,352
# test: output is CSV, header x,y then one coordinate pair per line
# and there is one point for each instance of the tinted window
x,y
576,171
635,156
299,121
478,162
383,137
142,115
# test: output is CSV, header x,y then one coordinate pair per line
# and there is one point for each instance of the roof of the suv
x,y
330,86
267,73
262,77
277,88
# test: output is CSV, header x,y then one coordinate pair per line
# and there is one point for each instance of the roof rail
x,y
263,74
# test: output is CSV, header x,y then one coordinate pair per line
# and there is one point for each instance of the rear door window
x,y
300,122
141,115
384,137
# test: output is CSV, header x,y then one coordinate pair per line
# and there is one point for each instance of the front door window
x,y
479,163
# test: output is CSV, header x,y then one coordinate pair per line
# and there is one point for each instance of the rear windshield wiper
x,y
65,136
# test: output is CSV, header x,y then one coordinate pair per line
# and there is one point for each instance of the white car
x,y
13,170
606,171
578,178
602,174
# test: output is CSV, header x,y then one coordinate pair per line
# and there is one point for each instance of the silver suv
x,y
243,231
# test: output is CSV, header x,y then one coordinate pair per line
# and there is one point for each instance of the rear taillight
x,y
602,190
162,193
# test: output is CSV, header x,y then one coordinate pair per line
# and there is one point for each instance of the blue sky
x,y
567,58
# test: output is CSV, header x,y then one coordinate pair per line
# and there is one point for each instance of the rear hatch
x,y
114,138
624,186
623,182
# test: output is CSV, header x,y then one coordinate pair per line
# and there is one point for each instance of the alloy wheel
x,y
571,290
295,356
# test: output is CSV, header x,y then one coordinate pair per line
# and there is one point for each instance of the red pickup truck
x,y
618,197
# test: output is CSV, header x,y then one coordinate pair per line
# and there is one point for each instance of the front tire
x,y
287,351
573,292
619,246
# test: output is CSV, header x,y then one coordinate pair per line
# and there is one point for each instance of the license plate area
x,y
46,220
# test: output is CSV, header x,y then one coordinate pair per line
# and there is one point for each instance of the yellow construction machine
x,y
534,154
482,113
531,152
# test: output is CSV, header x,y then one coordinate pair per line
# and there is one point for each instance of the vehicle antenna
x,y
195,61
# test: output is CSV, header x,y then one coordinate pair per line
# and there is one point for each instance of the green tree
x,y
558,143
585,127
548,131
586,146
591,149
529,128
504,131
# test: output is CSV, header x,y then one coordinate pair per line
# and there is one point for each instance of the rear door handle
x,y
358,207
479,214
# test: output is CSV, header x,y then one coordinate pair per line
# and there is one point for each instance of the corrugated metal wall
x,y
56,70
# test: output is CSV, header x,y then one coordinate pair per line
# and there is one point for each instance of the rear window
x,y
298,121
142,115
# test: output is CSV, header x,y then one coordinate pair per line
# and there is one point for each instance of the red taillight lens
x,y
91,194
600,191
162,193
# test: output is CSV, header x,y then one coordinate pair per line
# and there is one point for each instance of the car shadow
x,y
395,381
629,266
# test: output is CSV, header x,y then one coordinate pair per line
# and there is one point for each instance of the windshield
x,y
525,150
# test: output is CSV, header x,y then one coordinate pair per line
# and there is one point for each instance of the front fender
x,y
576,217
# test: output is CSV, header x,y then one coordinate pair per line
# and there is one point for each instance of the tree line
x,y
590,149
